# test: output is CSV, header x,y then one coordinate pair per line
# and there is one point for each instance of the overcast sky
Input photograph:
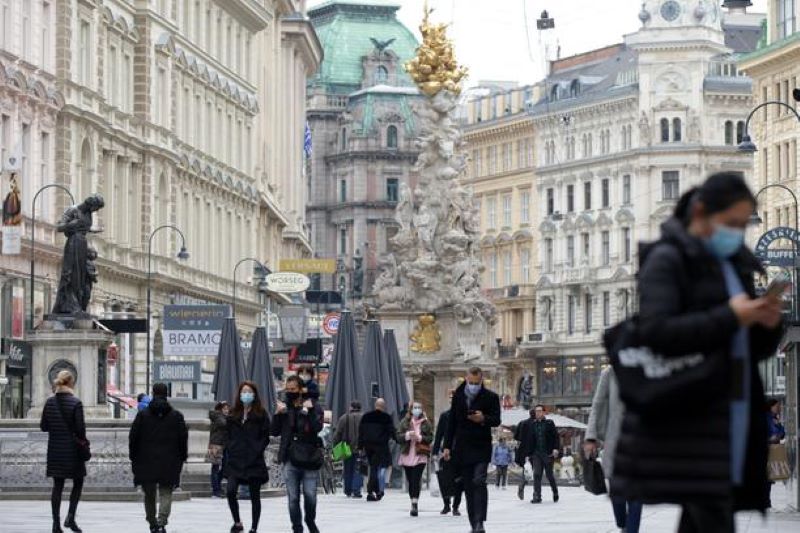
x,y
491,37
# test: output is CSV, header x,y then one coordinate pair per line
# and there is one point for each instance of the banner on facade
x,y
193,330
12,217
19,353
166,371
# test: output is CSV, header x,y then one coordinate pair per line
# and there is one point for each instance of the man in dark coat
x,y
685,308
158,447
297,422
450,483
538,443
347,431
475,410
374,432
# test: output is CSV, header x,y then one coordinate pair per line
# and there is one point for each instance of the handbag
x,y
82,445
422,448
446,478
651,383
341,452
593,479
304,454
778,468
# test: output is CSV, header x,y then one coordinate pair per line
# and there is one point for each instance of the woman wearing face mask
x,y
416,435
697,296
248,436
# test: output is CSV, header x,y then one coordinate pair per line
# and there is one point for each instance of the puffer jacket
x,y
62,452
218,434
158,444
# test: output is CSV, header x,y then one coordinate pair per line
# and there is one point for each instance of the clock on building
x,y
670,10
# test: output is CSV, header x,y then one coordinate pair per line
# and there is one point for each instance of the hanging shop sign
x,y
287,282
177,371
308,266
779,257
193,330
19,353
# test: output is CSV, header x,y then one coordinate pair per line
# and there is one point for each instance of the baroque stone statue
x,y
78,270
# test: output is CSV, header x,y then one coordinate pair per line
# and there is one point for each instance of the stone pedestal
x,y
81,351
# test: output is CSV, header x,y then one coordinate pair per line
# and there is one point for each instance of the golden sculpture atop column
x,y
435,67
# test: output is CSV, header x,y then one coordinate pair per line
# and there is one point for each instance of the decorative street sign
x,y
308,266
287,282
330,324
781,257
193,330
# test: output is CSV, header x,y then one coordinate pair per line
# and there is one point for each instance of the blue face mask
x,y
417,412
247,397
725,241
473,388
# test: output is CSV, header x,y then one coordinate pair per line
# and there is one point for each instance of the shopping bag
x,y
778,463
341,452
445,478
593,479
434,487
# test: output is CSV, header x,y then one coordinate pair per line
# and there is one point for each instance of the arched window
x,y
344,139
664,130
554,93
728,132
739,131
87,171
391,137
574,89
381,74
676,130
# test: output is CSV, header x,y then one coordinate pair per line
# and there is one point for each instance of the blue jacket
x,y
776,432
501,456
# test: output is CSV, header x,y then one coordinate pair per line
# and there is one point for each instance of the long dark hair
x,y
719,192
256,408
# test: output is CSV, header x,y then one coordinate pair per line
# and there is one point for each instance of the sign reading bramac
x,y
177,371
308,266
193,329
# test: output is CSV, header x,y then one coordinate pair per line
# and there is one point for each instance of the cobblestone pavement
x,y
577,512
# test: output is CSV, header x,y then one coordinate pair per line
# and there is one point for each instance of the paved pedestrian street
x,y
577,512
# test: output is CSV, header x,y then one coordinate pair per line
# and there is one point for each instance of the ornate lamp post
x,y
262,286
33,233
183,255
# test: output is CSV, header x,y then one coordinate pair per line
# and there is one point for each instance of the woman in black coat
x,y
62,419
697,296
247,440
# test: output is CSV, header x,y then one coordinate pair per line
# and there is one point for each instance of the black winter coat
x,y
246,444
158,444
468,442
293,423
218,434
684,309
62,453
441,429
374,433
525,435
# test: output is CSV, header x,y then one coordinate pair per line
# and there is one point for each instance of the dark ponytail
x,y
719,192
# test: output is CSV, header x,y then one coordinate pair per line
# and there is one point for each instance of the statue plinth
x,y
83,352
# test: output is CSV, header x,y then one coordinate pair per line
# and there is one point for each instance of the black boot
x,y
57,526
70,524
414,509
446,510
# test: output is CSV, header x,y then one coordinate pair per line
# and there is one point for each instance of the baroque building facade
x,y
620,133
187,113
363,130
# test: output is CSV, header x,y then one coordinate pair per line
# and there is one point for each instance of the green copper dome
x,y
345,29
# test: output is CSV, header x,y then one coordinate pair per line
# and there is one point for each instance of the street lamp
x,y
33,233
183,255
747,145
262,286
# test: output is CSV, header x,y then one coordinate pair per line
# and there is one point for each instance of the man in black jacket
x,y
538,443
453,487
374,432
158,447
475,410
297,422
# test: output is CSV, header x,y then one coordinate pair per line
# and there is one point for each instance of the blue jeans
x,y
627,514
295,478
352,477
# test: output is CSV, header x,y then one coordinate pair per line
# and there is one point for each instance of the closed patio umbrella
x,y
396,374
376,370
346,378
230,370
259,369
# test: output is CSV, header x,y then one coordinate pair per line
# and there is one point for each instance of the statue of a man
x,y
78,272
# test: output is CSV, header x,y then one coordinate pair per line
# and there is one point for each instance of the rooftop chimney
x,y
737,6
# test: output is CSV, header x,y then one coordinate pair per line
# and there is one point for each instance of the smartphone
x,y
778,285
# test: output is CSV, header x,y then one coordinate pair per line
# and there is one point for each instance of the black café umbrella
x,y
259,369
230,370
376,370
396,374
346,378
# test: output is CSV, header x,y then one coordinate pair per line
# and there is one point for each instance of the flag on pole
x,y
307,148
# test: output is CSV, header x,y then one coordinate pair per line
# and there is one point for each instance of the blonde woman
x,y
62,419
415,435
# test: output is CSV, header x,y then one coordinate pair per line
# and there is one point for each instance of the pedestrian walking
x,y
450,483
216,445
375,431
501,458
158,445
415,435
538,443
347,431
248,436
697,295
62,420
297,422
605,423
475,410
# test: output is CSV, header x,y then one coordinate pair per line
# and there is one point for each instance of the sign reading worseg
x,y
193,329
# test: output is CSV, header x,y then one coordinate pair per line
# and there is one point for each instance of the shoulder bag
x,y
81,444
303,452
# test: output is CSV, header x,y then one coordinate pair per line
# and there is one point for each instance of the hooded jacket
x,y
158,444
684,309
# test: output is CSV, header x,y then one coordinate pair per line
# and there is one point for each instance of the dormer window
x,y
554,93
574,89
391,137
381,74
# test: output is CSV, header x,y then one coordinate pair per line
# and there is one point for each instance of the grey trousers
x,y
164,493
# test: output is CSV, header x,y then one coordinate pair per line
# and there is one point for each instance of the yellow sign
x,y
308,266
